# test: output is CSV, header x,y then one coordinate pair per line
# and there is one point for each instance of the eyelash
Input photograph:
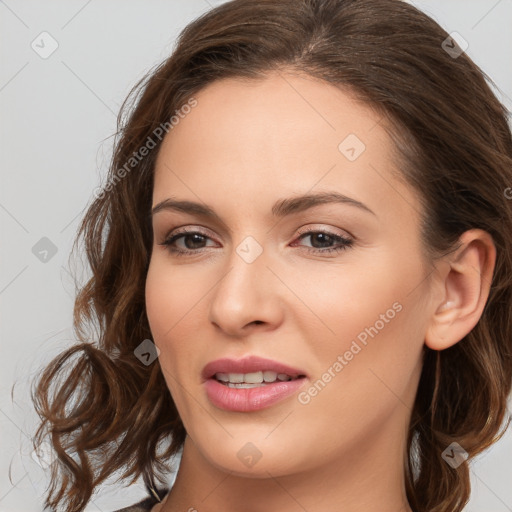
x,y
344,242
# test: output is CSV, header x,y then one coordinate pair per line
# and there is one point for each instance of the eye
x,y
188,241
192,240
323,241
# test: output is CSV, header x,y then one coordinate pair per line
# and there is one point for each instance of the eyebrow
x,y
281,208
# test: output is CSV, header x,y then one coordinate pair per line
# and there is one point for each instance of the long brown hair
x,y
104,410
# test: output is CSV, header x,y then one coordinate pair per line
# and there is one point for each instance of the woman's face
x,y
336,289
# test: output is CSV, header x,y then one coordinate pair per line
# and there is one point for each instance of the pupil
x,y
327,239
197,239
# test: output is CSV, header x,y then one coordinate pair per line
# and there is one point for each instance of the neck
x,y
368,478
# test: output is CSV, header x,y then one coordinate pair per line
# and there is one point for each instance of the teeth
x,y
269,376
243,385
253,379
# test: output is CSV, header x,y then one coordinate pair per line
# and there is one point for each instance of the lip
x,y
248,365
252,399
249,399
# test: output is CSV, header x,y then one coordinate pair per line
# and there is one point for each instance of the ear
x,y
464,283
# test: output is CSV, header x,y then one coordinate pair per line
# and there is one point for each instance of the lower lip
x,y
250,399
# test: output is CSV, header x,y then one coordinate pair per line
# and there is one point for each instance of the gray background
x,y
57,118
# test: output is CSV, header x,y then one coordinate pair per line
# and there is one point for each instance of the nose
x,y
248,297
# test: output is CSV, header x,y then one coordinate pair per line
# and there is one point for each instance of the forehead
x,y
265,118
285,134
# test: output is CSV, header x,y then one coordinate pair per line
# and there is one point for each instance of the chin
x,y
248,459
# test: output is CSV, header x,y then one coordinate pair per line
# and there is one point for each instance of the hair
x,y
104,411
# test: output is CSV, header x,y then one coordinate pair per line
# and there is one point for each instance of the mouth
x,y
253,379
251,371
250,384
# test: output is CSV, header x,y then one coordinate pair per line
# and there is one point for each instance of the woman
x,y
301,271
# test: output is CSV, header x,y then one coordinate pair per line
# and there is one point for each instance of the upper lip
x,y
248,364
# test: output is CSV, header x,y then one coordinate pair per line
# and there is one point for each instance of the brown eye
x,y
321,241
192,242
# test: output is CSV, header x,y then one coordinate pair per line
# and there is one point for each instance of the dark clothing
x,y
146,504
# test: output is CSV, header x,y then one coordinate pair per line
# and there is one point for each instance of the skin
x,y
245,146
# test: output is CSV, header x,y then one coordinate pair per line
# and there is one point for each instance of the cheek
x,y
352,296
167,302
172,297
357,387
175,304
168,306
374,338
158,294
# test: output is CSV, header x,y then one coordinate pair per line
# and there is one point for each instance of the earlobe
x,y
465,284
